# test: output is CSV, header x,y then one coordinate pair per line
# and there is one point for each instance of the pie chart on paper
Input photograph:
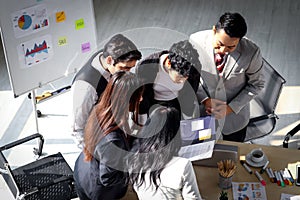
x,y
24,22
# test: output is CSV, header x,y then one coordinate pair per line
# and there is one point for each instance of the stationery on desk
x,y
272,162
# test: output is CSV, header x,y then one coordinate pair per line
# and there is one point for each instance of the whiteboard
x,y
45,40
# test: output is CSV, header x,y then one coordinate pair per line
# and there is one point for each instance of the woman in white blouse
x,y
155,169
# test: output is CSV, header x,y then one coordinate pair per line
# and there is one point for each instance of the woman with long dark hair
x,y
155,169
100,170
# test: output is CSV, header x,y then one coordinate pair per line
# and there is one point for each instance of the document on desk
x,y
289,197
197,151
248,190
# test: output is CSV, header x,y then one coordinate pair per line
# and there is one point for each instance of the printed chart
x,y
30,20
35,51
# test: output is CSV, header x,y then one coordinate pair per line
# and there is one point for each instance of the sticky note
x,y
204,134
60,16
197,125
62,41
79,24
85,47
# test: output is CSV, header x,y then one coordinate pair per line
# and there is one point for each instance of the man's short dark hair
x,y
183,57
233,24
121,49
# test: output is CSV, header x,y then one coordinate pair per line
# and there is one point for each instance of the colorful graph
x,y
24,22
30,20
37,49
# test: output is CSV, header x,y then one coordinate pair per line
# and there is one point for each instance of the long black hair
x,y
159,141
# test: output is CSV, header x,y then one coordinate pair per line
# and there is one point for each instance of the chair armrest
x,y
290,134
263,117
26,139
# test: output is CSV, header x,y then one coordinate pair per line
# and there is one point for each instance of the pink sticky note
x,y
85,47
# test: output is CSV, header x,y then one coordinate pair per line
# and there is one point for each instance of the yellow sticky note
x,y
60,16
62,41
204,134
79,24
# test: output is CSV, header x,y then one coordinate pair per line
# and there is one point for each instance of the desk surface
x,y
207,177
279,158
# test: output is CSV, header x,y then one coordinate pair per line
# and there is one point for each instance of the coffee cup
x,y
257,155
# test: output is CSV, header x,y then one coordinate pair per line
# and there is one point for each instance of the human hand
x,y
217,108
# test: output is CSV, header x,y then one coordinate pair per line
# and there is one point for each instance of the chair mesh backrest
x,y
43,172
273,85
266,102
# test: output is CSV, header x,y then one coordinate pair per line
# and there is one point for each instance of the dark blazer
x,y
147,70
105,177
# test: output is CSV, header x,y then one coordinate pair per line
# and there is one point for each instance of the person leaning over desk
x,y
100,170
171,78
231,74
155,169
119,53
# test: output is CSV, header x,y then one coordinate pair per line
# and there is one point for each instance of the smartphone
x,y
298,175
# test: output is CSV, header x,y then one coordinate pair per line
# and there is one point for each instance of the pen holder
x,y
225,182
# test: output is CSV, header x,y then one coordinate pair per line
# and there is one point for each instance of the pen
x,y
262,181
264,167
246,167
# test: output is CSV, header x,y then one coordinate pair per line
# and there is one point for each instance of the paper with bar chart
x,y
35,51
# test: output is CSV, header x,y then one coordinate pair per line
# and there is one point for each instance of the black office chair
x,y
289,135
49,178
262,107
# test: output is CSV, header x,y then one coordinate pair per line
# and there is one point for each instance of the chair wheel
x,y
39,113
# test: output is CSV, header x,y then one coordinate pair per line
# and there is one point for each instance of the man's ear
x,y
168,63
214,29
109,60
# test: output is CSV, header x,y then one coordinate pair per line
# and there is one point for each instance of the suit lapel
x,y
231,62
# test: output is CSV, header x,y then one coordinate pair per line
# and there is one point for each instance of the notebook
x,y
198,138
197,130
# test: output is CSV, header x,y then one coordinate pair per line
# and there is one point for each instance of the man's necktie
x,y
220,62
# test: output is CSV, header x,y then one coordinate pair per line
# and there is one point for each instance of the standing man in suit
x,y
231,74
119,53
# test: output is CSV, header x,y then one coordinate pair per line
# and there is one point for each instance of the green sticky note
x,y
79,24
62,41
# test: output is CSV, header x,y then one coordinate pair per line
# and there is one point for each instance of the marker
x,y
290,175
270,175
264,167
285,178
246,167
273,175
277,178
262,181
280,179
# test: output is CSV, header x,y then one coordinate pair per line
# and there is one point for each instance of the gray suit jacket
x,y
242,78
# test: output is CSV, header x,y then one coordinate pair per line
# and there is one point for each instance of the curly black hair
x,y
183,57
